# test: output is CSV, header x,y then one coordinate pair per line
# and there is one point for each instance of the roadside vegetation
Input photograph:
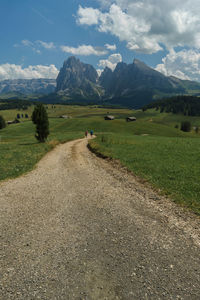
x,y
154,147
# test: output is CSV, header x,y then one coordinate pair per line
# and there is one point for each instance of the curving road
x,y
78,227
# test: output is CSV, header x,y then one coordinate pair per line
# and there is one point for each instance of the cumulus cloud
x,y
85,50
183,64
12,71
111,62
88,16
111,47
147,25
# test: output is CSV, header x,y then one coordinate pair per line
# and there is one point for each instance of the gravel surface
x,y
79,227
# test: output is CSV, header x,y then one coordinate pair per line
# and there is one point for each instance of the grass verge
x,y
20,151
170,164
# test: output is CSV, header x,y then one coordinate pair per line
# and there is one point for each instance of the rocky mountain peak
x,y
77,78
120,66
72,61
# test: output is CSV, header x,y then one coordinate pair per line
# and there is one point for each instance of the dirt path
x,y
78,228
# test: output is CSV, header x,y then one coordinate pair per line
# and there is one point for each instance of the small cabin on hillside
x,y
108,117
64,117
131,119
13,122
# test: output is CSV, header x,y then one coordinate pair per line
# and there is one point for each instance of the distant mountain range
x,y
28,86
132,85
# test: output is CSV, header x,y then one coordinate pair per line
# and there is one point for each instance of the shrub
x,y
2,123
103,139
185,126
176,126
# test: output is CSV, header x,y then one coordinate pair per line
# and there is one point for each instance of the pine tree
x,y
2,123
40,119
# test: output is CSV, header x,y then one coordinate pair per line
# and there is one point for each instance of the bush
x,y
186,126
176,126
2,123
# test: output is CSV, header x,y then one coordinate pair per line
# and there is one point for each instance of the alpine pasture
x,y
151,147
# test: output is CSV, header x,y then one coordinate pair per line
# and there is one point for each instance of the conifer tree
x,y
2,123
40,119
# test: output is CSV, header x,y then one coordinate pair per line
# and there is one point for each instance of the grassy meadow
x,y
151,147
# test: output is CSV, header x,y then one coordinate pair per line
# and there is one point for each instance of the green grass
x,y
20,151
168,163
150,147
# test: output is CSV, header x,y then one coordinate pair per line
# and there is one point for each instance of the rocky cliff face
x,y
132,85
78,80
28,86
129,78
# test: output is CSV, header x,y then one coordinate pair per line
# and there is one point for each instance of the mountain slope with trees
x,y
187,105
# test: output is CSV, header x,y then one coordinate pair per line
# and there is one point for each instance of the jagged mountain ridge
x,y
28,86
77,79
133,84
127,78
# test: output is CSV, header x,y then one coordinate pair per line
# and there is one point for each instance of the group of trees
x,y
186,105
40,119
6,104
22,116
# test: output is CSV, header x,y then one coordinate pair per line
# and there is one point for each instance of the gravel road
x,y
79,227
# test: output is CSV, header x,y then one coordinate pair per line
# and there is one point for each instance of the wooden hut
x,y
108,117
130,119
64,117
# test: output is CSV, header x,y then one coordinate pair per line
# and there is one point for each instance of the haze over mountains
x,y
131,85
28,86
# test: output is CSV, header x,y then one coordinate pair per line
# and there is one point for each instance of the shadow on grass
x,y
28,144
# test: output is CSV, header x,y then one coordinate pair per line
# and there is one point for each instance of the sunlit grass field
x,y
170,164
151,147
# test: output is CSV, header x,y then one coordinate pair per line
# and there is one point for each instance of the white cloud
x,y
99,71
36,45
88,16
111,62
12,71
27,43
85,50
46,45
111,47
146,25
184,64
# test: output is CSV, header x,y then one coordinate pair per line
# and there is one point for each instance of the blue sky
x,y
38,35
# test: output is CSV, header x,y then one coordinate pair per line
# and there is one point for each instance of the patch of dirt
x,y
79,227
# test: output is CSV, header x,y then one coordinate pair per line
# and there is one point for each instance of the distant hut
x,y
10,122
108,117
130,119
13,122
64,117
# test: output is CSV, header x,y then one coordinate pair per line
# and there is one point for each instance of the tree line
x,y
186,105
6,104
